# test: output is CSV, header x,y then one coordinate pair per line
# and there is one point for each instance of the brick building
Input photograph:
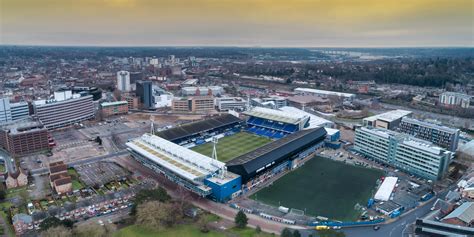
x,y
23,137
114,108
60,180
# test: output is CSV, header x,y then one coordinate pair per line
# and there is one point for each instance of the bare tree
x,y
58,231
157,215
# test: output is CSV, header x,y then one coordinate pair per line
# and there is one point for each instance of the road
x,y
42,171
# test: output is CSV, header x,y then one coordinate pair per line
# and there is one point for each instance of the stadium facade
x,y
282,151
198,173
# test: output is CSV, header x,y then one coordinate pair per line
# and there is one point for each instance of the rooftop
x,y
22,126
324,92
465,213
314,121
389,116
106,104
182,161
276,115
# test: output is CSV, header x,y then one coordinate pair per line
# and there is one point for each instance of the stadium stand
x,y
274,123
196,172
271,155
191,130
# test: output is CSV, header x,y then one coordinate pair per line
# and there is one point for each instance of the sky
x,y
264,23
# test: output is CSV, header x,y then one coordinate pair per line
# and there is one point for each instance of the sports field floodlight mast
x,y
222,170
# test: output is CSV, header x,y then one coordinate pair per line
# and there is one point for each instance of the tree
x,y
258,229
157,215
286,233
92,230
57,231
330,233
158,194
202,224
241,220
54,222
296,233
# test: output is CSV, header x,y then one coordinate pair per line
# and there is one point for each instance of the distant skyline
x,y
262,23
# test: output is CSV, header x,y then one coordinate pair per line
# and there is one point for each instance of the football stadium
x,y
249,151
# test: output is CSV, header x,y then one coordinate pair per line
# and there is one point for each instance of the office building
x,y
13,111
405,152
195,104
66,109
454,99
114,108
145,93
389,120
23,137
440,135
85,90
132,101
123,81
230,103
19,110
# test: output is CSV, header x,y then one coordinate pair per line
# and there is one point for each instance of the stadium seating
x,y
272,129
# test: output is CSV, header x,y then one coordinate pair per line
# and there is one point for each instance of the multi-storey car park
x,y
413,155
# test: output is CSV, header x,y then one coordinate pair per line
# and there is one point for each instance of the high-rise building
x,y
123,81
405,152
440,135
145,92
61,113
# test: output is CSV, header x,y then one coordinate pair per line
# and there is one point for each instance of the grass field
x,y
324,188
232,146
187,230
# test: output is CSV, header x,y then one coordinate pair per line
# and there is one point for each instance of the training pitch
x,y
232,146
323,187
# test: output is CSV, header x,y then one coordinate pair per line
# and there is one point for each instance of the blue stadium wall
x,y
223,192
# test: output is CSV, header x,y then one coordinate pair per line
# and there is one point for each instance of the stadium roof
x,y
190,129
277,150
182,161
275,115
314,121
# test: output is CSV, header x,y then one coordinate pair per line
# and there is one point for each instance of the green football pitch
x,y
233,146
323,187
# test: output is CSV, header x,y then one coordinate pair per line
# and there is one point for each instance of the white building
x,y
385,190
314,121
123,81
455,99
13,111
230,103
163,100
387,120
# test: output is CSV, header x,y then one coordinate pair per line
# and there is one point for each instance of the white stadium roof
x,y
390,116
276,115
314,121
385,190
182,161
